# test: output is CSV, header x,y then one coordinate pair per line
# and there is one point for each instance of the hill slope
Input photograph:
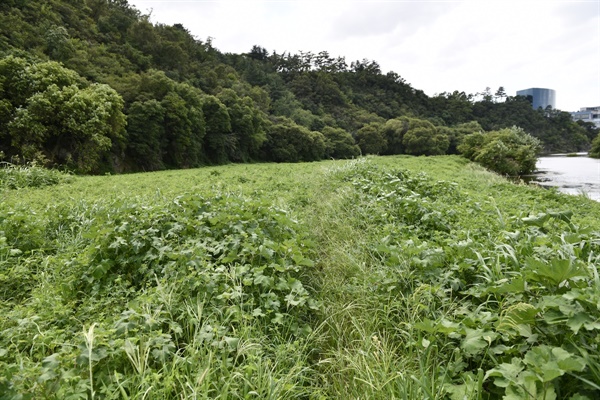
x,y
180,102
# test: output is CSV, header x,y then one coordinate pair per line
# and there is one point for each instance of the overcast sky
x,y
436,46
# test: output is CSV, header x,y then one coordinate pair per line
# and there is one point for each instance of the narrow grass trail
x,y
397,248
361,354
369,345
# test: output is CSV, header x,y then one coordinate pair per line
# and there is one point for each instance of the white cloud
x,y
436,46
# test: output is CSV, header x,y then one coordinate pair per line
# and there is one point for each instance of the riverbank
x,y
380,278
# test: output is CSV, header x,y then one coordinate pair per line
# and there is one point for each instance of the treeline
x,y
94,86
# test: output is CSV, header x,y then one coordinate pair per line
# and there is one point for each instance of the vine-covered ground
x,y
376,278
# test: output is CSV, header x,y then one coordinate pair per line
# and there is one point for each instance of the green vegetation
x,y
94,87
381,278
595,150
31,175
508,151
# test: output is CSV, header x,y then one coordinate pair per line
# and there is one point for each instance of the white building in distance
x,y
588,114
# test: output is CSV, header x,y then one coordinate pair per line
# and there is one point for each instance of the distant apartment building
x,y
588,114
541,97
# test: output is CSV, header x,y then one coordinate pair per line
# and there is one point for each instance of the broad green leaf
x,y
51,361
505,374
232,342
447,327
554,272
564,216
443,326
263,280
579,397
257,312
552,362
426,325
278,319
477,340
536,220
292,300
516,285
500,349
582,319
466,390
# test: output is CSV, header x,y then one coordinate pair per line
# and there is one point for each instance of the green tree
x,y
591,130
370,139
314,148
145,128
70,126
339,143
500,93
472,144
414,136
247,126
393,131
178,139
20,79
595,150
218,142
453,108
258,53
509,151
426,141
289,142
457,133
58,43
166,123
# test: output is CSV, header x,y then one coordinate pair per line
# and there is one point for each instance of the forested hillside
x,y
94,86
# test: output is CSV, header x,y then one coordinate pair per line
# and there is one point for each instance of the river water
x,y
573,175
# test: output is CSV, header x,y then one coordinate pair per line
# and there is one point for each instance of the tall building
x,y
588,114
541,97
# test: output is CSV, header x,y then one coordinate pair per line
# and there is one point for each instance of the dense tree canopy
x,y
339,143
161,98
52,115
370,139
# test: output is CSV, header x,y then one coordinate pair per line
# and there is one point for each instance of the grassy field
x,y
376,278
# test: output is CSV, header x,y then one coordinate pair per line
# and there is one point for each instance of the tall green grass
x,y
31,175
376,278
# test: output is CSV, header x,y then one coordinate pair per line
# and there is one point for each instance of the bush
x,y
289,142
509,151
370,139
425,141
339,143
595,150
30,175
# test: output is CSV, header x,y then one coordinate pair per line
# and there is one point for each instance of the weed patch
x,y
379,278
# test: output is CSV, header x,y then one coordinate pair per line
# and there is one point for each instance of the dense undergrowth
x,y
379,278
30,175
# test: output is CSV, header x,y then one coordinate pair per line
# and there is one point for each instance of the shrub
x,y
595,150
30,175
339,143
370,139
425,141
509,151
